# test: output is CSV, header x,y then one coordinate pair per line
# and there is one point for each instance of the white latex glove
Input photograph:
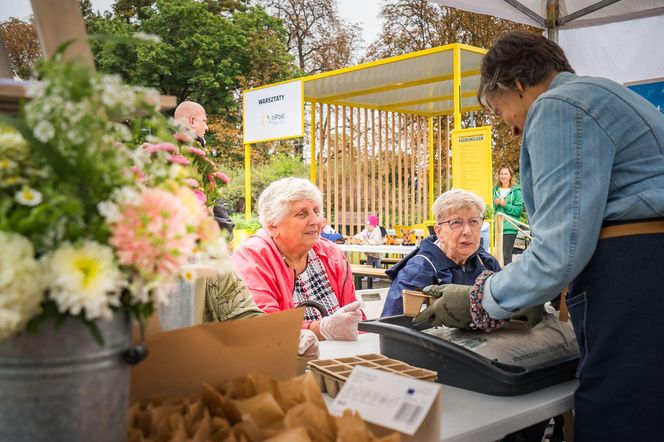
x,y
308,345
342,325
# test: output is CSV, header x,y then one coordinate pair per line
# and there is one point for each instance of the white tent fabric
x,y
621,41
624,52
509,9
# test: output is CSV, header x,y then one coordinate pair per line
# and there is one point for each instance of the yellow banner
x,y
471,161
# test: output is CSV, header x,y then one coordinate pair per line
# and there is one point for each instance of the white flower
x,y
35,89
21,289
85,279
44,131
28,196
11,141
126,196
110,211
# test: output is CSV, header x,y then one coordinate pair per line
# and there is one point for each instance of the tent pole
x,y
552,15
432,165
312,143
247,181
457,86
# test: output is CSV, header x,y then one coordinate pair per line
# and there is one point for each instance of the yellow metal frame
x,y
344,98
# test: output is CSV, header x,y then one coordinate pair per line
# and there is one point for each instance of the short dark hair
x,y
519,56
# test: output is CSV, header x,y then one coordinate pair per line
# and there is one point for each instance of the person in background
x,y
371,235
287,263
507,200
592,174
192,117
330,234
452,255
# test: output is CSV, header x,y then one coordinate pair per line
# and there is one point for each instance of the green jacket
x,y
512,208
227,297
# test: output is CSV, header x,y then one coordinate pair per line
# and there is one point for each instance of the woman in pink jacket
x,y
287,262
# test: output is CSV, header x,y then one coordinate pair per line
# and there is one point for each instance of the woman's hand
x,y
308,345
342,325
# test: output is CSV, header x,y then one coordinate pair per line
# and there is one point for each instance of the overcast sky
x,y
362,12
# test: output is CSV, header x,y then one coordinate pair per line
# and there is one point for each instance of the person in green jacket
x,y
507,199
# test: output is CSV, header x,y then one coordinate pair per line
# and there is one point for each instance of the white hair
x,y
274,202
456,200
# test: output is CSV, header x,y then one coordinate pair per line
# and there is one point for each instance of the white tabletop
x,y
382,248
474,417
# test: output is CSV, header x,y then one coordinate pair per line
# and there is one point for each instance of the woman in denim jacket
x,y
592,177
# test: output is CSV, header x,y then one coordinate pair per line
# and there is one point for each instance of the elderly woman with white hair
x,y
452,256
287,263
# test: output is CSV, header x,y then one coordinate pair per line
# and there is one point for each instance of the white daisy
x,y
28,196
85,279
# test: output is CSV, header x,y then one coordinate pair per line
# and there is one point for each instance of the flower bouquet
x,y
101,208
96,215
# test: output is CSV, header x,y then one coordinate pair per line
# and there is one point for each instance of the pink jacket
x,y
271,282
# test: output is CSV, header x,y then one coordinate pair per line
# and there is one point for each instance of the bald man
x,y
192,116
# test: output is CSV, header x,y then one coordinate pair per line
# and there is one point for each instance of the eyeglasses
x,y
474,223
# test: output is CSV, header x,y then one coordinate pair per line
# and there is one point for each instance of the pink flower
x,y
191,182
137,172
178,159
222,177
161,147
200,195
152,235
196,151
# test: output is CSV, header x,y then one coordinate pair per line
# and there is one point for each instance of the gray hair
x,y
274,202
456,200
519,56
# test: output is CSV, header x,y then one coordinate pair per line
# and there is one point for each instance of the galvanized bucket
x,y
61,385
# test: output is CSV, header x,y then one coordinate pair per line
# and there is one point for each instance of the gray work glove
x,y
531,315
452,308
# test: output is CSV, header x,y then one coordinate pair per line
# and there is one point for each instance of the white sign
x,y
273,112
392,401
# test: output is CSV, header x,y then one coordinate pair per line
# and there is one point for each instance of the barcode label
x,y
408,413
392,401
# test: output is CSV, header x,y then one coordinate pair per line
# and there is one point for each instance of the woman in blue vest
x,y
507,200
452,256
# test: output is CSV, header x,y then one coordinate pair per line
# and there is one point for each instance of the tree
x,y
413,25
318,38
22,45
202,56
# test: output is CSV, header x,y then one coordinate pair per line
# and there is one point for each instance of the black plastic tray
x,y
460,367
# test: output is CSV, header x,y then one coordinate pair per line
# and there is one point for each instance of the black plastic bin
x,y
460,367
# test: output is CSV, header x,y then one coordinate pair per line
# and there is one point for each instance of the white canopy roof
x,y
573,13
616,39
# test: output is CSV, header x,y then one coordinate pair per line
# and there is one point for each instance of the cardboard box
x,y
180,361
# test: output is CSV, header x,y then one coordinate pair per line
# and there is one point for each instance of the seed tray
x,y
331,374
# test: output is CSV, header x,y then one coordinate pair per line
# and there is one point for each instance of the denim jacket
x,y
592,152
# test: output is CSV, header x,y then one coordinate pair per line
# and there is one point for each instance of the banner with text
x,y
273,112
471,161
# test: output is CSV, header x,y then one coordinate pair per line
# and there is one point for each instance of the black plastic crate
x,y
460,367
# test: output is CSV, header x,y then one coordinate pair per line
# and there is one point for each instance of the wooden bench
x,y
385,262
360,271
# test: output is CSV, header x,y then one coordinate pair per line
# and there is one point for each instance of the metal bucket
x,y
60,385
